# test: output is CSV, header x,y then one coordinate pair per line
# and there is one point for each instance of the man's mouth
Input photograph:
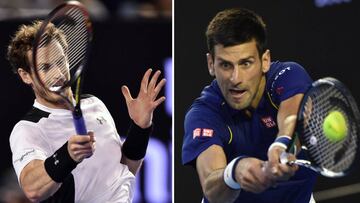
x,y
57,86
237,93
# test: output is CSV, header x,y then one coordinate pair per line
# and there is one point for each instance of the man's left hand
x,y
142,107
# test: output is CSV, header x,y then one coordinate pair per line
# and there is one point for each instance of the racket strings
x,y
74,28
327,153
76,51
321,149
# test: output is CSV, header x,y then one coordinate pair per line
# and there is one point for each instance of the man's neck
x,y
259,93
49,104
257,98
60,104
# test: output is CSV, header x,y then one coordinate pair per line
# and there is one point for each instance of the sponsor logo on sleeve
x,y
207,132
203,132
27,153
196,133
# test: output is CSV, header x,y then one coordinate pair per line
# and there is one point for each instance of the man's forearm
x,y
216,190
36,183
133,165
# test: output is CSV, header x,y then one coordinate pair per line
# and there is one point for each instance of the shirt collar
x,y
50,110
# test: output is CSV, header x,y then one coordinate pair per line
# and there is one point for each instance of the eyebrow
x,y
239,61
61,57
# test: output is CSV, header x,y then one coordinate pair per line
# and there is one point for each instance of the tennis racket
x,y
329,158
60,51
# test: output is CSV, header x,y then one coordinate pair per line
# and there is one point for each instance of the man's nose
x,y
236,75
59,73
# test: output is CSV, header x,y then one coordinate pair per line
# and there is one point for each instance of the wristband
x,y
281,141
59,165
229,174
136,142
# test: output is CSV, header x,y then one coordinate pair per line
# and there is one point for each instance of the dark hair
x,y
236,26
23,41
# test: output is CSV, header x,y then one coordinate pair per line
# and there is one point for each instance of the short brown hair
x,y
236,26
23,41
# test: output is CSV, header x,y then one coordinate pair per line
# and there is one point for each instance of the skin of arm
x,y
249,174
133,165
252,174
286,118
210,166
35,181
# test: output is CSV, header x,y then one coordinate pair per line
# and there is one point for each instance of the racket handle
x,y
79,122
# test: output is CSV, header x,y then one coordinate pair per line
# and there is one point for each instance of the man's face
x,y
52,65
239,71
53,71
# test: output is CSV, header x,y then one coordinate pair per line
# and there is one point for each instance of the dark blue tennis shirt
x,y
211,121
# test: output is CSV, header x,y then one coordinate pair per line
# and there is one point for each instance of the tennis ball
x,y
334,126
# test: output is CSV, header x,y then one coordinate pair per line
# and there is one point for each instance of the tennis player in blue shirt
x,y
236,130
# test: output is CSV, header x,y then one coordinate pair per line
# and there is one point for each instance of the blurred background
x,y
130,36
321,35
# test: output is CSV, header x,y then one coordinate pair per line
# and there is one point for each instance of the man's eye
x,y
44,67
246,63
225,65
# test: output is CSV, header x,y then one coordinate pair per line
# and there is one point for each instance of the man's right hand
x,y
81,146
251,176
281,172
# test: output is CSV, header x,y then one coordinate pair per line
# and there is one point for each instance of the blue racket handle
x,y
79,123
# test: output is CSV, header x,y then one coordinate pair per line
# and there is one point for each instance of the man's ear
x,y
210,63
25,76
266,61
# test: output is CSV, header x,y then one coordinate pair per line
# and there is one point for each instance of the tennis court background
x,y
321,35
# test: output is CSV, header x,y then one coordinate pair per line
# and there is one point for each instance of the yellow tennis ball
x,y
334,126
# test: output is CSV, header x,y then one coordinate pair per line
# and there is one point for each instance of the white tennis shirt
x,y
100,178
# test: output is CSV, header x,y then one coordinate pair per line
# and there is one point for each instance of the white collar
x,y
50,110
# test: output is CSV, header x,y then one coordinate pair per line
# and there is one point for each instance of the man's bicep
x,y
210,160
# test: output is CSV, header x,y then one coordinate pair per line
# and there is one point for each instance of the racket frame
x,y
77,76
284,157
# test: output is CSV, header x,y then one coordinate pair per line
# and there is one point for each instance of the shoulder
x,y
285,79
210,100
88,99
286,72
35,114
24,130
203,110
278,68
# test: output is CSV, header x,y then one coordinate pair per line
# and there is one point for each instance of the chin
x,y
236,106
54,98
